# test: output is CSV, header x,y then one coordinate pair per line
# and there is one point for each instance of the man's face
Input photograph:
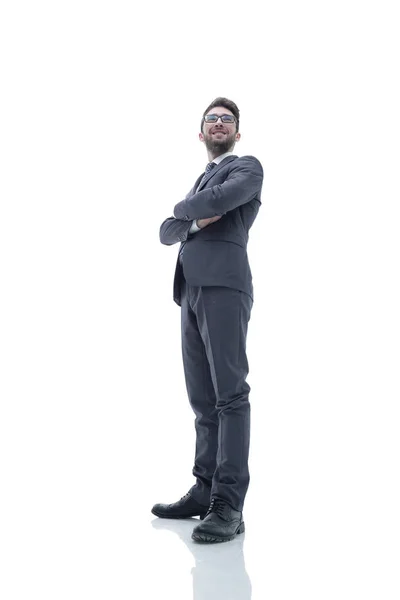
x,y
219,137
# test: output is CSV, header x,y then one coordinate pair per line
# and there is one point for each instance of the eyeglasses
x,y
224,118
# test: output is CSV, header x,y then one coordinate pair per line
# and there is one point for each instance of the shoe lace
x,y
217,506
185,497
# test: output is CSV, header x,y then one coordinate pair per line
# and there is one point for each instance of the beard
x,y
221,145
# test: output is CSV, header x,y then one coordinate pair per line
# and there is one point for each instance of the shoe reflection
x,y
219,571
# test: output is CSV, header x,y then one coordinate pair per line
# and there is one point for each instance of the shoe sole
x,y
211,539
165,516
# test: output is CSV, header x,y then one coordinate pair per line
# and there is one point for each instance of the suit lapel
x,y
214,170
194,188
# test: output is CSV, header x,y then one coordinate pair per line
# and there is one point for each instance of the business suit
x,y
213,286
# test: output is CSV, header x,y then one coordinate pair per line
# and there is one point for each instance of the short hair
x,y
229,104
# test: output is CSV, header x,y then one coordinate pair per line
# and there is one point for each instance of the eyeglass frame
x,y
220,117
235,121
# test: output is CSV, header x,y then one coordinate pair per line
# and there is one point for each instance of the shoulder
x,y
248,162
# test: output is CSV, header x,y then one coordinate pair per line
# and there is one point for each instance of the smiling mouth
x,y
215,132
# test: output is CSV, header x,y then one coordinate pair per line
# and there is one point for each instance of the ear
x,y
201,137
238,136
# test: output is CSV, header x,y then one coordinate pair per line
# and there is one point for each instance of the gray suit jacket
x,y
217,255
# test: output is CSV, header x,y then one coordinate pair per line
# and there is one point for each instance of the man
x,y
213,286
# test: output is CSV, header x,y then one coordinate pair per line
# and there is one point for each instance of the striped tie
x,y
209,167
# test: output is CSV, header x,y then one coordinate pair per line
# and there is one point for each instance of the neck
x,y
211,155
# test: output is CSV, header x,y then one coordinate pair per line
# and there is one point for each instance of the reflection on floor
x,y
219,572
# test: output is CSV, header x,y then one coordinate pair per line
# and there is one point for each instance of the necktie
x,y
209,168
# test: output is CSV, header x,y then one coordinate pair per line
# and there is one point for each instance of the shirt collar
x,y
218,159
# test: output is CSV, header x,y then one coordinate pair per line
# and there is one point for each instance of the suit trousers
x,y
214,324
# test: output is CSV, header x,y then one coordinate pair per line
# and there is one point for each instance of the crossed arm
x,y
176,230
242,185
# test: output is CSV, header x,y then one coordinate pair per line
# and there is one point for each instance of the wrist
x,y
194,228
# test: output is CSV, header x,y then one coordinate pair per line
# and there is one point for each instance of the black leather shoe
x,y
183,509
221,523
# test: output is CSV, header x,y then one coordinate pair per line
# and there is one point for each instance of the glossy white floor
x,y
321,513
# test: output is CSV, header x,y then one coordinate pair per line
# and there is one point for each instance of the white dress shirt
x,y
194,228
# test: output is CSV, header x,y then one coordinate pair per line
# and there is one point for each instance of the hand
x,y
204,222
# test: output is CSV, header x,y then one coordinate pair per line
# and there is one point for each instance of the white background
x,y
100,110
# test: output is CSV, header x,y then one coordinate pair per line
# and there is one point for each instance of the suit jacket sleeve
x,y
243,183
174,230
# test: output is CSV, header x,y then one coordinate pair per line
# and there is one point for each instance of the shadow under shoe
x,y
185,508
221,523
